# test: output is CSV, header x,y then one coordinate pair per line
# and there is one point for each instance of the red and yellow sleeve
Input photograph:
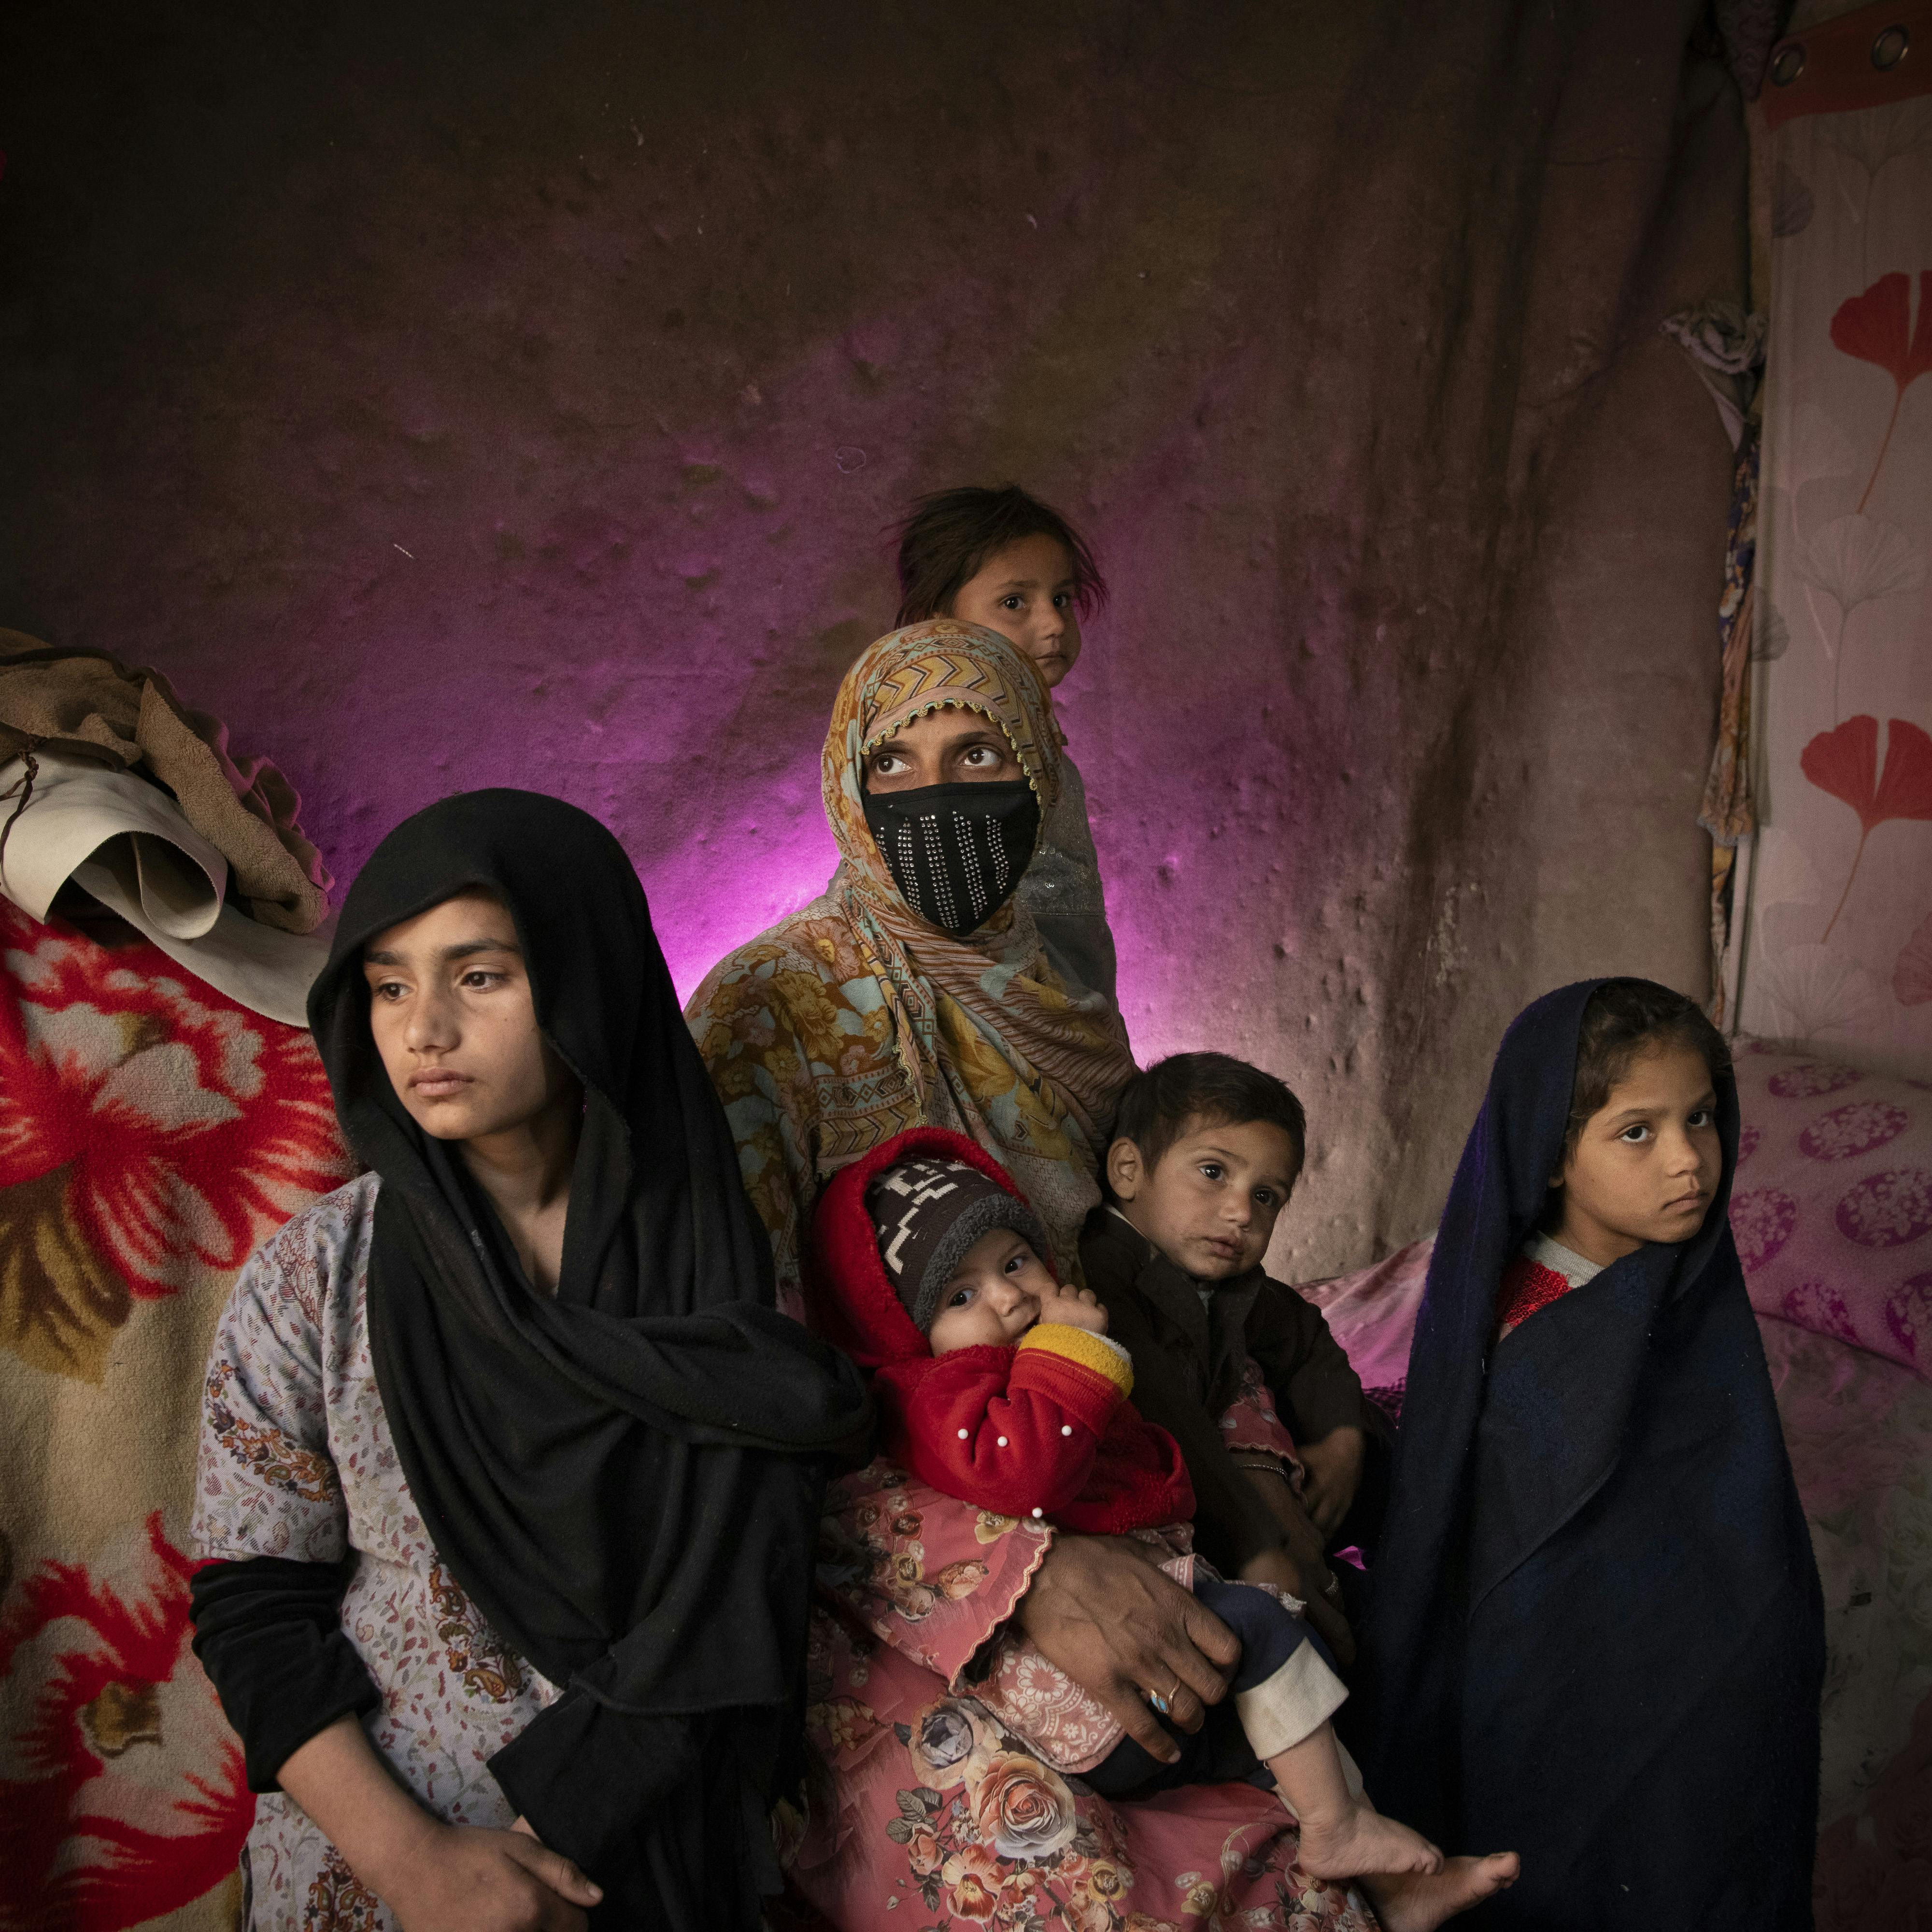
x,y
1088,1377
1015,1430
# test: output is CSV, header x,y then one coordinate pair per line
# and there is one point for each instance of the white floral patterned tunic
x,y
297,1461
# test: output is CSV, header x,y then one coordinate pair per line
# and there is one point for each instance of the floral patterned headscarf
x,y
1041,1066
854,1019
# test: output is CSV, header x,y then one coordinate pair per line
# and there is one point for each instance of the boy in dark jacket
x,y
1206,1151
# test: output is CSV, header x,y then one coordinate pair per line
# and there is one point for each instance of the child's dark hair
x,y
1156,1108
949,535
1623,1018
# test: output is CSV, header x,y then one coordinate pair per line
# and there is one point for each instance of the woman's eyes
x,y
474,979
884,763
981,753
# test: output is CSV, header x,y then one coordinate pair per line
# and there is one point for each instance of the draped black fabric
x,y
625,1478
1594,1633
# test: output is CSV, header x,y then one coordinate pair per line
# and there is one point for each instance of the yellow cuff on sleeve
x,y
1091,1351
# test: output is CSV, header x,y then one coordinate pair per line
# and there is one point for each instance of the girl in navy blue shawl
x,y
1595,1633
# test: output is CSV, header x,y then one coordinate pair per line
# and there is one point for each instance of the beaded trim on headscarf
x,y
870,744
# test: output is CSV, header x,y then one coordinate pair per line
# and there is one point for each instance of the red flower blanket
x,y
152,1134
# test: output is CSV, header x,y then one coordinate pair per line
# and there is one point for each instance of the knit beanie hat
x,y
926,1214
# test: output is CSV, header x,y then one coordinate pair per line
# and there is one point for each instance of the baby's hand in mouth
x,y
1077,1307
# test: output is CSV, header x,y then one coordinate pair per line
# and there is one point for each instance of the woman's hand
x,y
1334,1467
1103,1613
1077,1307
434,1877
464,1878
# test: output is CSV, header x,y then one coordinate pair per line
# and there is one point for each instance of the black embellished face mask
x,y
956,851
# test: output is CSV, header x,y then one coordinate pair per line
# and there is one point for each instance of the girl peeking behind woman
x,y
1594,1630
510,1473
1004,560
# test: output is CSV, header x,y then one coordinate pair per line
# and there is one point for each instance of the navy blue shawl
x,y
1595,1634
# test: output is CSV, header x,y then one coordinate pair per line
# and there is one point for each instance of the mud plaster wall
x,y
515,394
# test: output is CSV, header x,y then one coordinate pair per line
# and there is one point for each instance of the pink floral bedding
x,y
1832,1208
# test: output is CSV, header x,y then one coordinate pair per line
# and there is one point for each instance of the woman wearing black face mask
x,y
953,815
915,992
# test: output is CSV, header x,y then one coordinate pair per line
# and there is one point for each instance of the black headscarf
x,y
625,1478
1595,1634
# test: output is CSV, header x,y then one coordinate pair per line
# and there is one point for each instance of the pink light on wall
x,y
715,907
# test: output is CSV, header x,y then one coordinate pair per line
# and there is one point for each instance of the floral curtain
x,y
1838,939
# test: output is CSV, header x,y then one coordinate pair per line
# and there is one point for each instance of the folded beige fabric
x,y
122,839
53,697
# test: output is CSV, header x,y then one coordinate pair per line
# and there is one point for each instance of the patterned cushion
x,y
1832,1209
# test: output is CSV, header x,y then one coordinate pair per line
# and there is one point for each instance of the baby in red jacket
x,y
996,1383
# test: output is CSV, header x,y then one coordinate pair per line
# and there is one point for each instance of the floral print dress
x,y
943,1741
948,1749
297,1461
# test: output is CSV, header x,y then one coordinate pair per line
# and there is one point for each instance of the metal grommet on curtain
x,y
1890,48
1787,63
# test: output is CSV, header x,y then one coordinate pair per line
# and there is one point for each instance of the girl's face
x,y
1025,592
1646,1165
948,746
451,1010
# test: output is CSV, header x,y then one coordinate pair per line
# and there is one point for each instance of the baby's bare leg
x,y
1342,1834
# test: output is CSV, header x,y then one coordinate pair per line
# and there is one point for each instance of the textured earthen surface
x,y
450,396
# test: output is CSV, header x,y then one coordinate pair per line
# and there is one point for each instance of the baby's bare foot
x,y
1419,1902
1360,1840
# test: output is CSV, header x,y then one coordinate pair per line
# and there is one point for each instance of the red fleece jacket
x,y
1043,1429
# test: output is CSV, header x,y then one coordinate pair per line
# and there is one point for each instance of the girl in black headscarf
x,y
1595,1632
507,1453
